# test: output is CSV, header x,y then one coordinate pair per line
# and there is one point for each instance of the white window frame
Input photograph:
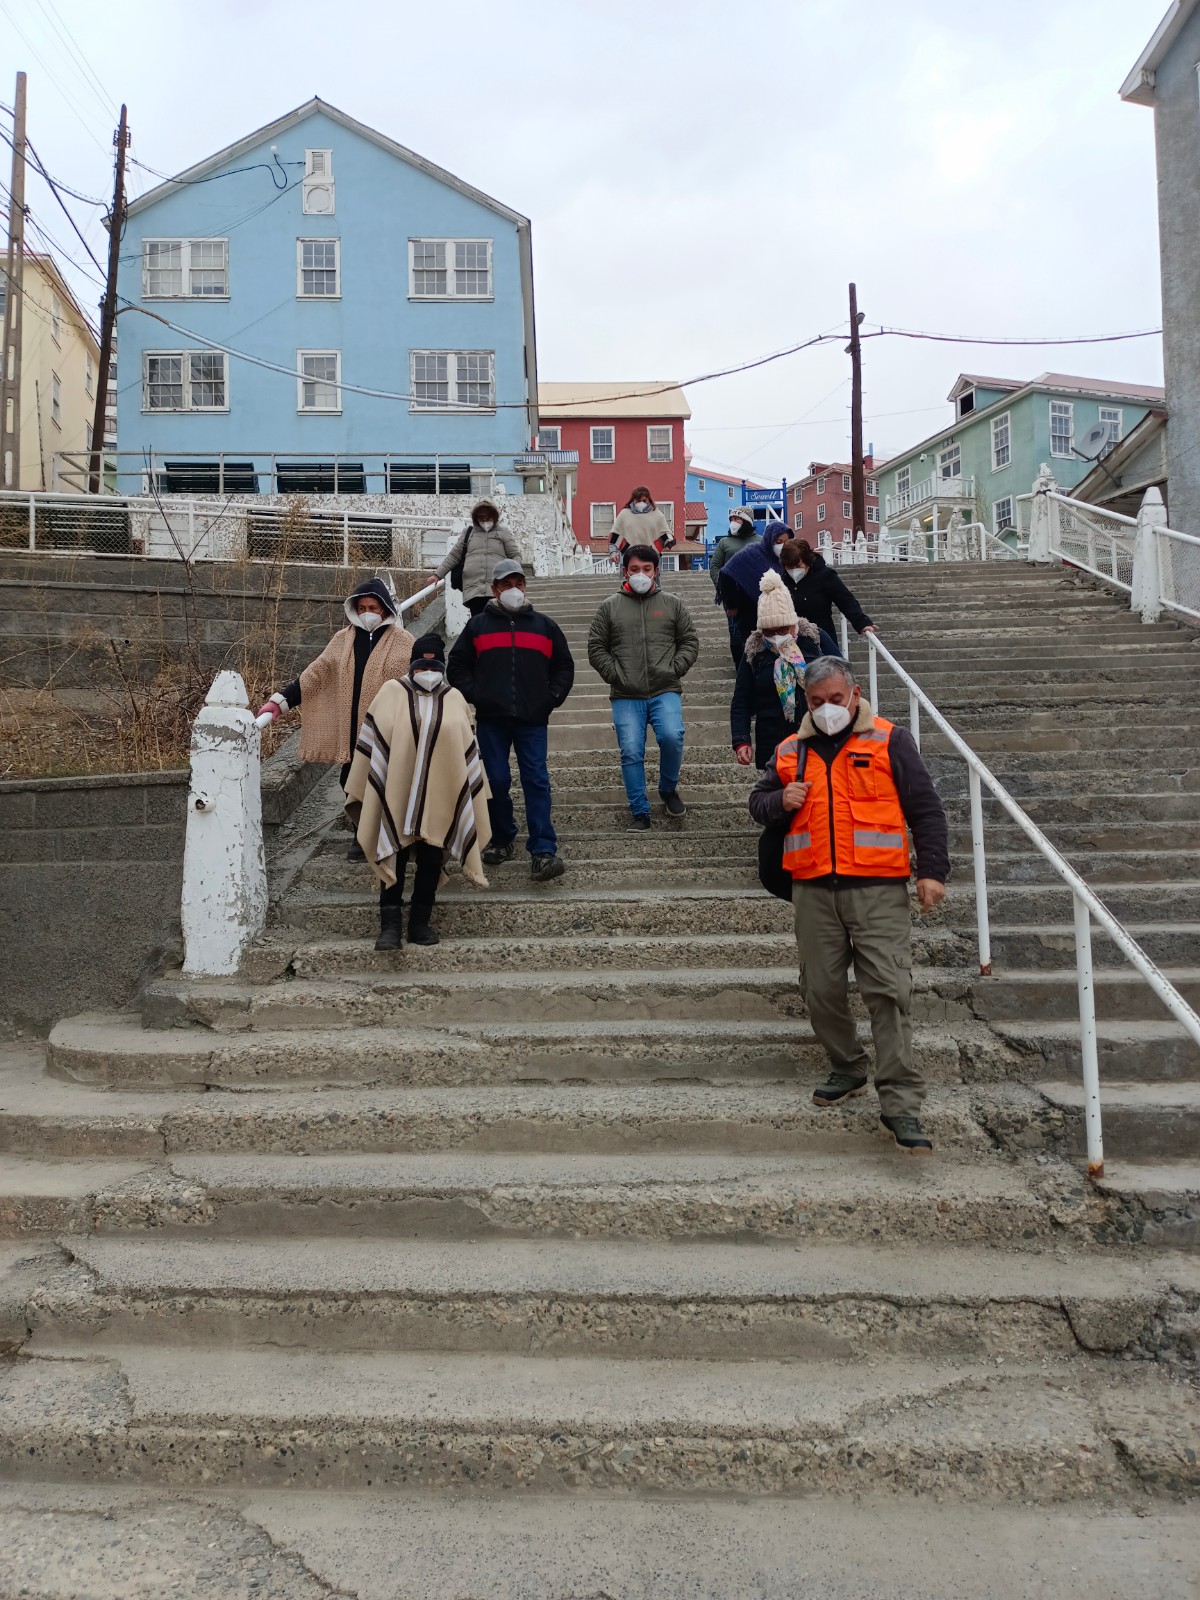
x,y
821,512
556,429
667,507
729,487
872,513
301,383
608,506
797,495
870,489
847,508
847,534
1063,408
185,269
56,319
604,461
318,163
949,455
452,404
700,489
903,481
56,400
301,269
89,373
1112,415
1005,500
651,430
185,358
451,269
847,486
798,520
1004,421
820,485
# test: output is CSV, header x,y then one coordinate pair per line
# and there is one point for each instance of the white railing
x,y
605,566
932,488
1087,904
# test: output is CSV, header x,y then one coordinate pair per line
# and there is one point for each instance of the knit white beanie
x,y
775,608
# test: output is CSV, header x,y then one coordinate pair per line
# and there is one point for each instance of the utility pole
x,y
108,310
14,306
858,482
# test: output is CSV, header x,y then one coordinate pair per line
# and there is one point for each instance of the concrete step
x,y
1147,1050
1143,1121
632,1299
117,1052
833,1194
467,1422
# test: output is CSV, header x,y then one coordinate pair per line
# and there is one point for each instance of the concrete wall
x,y
90,873
1177,139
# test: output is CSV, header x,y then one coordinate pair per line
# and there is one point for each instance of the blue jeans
x,y
497,737
664,713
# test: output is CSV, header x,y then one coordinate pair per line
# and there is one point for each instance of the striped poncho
x,y
416,774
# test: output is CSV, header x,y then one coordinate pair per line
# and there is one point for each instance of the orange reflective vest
x,y
851,822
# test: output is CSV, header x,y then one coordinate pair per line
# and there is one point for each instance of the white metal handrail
x,y
413,600
1087,904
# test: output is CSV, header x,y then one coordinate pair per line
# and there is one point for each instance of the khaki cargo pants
x,y
871,927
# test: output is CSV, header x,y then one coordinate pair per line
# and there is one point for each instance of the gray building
x,y
1165,77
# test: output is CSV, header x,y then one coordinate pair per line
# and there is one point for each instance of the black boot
x,y
391,928
419,931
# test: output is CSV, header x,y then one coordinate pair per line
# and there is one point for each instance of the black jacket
x,y
755,698
512,664
919,799
817,591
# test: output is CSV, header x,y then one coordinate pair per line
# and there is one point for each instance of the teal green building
x,y
989,453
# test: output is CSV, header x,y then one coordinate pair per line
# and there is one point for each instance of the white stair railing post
x,y
1043,517
1146,595
224,902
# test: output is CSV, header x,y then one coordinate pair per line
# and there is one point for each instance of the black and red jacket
x,y
512,664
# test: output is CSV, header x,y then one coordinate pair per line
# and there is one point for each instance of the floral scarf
x,y
788,674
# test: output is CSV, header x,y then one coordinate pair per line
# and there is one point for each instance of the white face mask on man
x,y
370,620
512,599
487,525
427,679
641,582
832,719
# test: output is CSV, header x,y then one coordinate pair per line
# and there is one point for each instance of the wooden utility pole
x,y
14,304
108,311
858,482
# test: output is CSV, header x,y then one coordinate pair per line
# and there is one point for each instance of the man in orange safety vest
x,y
851,786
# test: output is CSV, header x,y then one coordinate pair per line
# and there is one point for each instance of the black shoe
x,y
838,1086
419,931
391,928
496,853
909,1135
675,806
356,852
639,823
543,868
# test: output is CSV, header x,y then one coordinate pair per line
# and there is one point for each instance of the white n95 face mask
x,y
512,599
831,719
427,680
641,583
370,620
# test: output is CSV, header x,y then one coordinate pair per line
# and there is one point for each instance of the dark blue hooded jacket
x,y
739,578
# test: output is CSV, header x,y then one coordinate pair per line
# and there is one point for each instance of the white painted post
x,y
1147,576
845,637
1085,985
914,718
873,669
32,523
979,861
224,903
1043,517
346,539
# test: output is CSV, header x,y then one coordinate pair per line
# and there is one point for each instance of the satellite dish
x,y
1092,445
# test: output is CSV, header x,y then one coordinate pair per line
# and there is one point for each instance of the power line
x,y
50,12
62,203
269,166
51,75
962,338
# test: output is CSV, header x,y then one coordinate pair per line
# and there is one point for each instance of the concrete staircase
x,y
546,1208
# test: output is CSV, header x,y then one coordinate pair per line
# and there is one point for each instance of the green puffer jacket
x,y
643,645
727,547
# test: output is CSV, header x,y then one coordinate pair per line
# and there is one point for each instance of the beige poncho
x,y
416,774
327,685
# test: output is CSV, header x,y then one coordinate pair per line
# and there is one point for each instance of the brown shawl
x,y
327,689
416,774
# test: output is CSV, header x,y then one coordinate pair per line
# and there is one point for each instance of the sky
x,y
704,179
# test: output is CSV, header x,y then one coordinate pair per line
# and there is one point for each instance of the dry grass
x,y
145,691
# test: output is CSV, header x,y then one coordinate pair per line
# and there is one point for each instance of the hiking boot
x,y
839,1086
419,931
496,853
543,868
674,804
391,928
639,823
356,852
909,1135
